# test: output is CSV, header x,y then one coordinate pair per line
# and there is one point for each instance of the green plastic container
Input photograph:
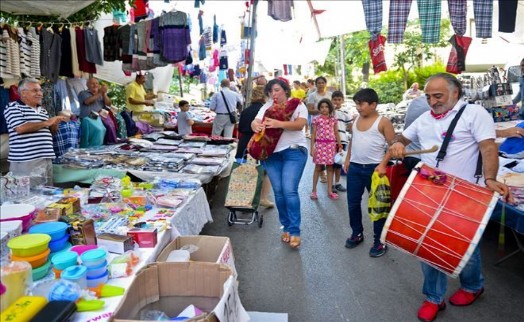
x,y
41,272
29,244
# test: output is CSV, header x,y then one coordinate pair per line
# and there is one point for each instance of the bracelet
x,y
485,180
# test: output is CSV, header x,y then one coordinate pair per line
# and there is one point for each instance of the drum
x,y
439,221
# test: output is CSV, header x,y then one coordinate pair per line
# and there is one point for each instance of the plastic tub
x,y
75,274
59,244
35,261
29,245
57,230
66,248
80,249
23,212
93,258
100,279
17,279
13,228
96,271
64,260
41,272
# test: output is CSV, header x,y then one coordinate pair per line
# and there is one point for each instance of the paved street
x,y
324,281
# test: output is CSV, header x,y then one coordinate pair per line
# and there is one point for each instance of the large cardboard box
x,y
171,287
214,249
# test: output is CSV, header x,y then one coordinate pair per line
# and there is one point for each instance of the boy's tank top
x,y
367,147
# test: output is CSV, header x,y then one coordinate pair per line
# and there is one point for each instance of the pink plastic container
x,y
80,249
23,212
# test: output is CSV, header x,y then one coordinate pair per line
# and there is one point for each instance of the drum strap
x,y
442,152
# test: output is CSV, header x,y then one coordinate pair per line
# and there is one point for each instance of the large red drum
x,y
439,223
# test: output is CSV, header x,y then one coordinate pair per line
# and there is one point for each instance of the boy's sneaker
x,y
339,187
378,250
354,241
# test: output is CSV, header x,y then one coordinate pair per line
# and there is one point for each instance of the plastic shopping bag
x,y
379,203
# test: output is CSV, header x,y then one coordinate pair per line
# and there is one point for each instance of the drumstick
x,y
432,149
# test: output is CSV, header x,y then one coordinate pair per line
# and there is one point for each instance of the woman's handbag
x,y
263,144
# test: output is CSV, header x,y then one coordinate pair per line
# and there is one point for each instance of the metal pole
x,y
249,82
342,64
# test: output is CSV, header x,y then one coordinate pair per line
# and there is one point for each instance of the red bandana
x,y
438,116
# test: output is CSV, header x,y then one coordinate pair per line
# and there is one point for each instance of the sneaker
x,y
428,311
463,298
340,187
378,250
353,241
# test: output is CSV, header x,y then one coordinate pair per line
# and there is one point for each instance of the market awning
x,y
62,8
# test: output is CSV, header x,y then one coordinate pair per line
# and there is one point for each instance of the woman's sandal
x,y
294,242
313,196
333,196
285,237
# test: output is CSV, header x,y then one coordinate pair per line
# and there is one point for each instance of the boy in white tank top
x,y
371,135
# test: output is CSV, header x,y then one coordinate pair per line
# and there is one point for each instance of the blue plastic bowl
x,y
65,259
94,272
59,244
101,279
55,229
93,257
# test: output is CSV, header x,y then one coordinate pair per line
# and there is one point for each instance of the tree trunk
x,y
365,72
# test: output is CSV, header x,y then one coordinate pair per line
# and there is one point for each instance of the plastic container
x,y
42,271
57,230
12,227
66,248
64,260
23,212
55,311
4,239
97,280
17,279
75,274
97,271
59,244
35,261
93,258
80,249
29,244
63,290
24,309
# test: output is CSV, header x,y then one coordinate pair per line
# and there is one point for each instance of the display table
x,y
207,128
189,219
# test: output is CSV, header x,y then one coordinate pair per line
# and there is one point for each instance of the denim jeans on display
x,y
435,282
358,179
285,169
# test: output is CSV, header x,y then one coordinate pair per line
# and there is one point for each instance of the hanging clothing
x,y
280,9
93,48
457,57
429,13
92,132
84,65
50,55
223,37
223,62
175,36
200,22
12,68
398,18
50,102
4,100
215,29
34,42
25,53
373,15
457,14
3,58
67,137
111,43
483,13
74,54
507,15
66,63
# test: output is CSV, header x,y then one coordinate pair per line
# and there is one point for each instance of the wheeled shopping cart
x,y
243,194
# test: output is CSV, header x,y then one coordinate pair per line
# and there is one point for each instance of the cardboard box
x,y
171,287
115,243
213,249
144,237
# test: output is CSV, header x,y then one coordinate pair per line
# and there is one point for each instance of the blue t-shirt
x,y
183,127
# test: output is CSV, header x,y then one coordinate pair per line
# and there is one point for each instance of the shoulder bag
x,y
232,117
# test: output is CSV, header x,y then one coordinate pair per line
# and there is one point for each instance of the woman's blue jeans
x,y
285,169
359,178
436,282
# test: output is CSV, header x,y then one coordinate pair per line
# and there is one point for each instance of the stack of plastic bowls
x,y
23,212
76,273
62,261
32,248
96,263
58,232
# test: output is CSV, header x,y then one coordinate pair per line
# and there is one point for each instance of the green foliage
x,y
388,86
420,74
91,12
117,94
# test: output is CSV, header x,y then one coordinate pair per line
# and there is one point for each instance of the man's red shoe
x,y
428,311
464,298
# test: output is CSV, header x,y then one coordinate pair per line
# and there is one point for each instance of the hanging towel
x,y
429,12
373,15
457,13
483,12
398,17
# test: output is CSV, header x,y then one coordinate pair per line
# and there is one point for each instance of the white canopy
x,y
62,8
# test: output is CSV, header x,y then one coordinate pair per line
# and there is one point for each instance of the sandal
x,y
285,237
313,196
295,242
333,196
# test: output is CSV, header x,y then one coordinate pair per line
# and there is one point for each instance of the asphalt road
x,y
324,281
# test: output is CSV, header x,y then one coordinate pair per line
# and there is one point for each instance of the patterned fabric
x,y
483,12
263,144
244,186
121,130
457,13
373,14
398,17
429,12
325,143
67,137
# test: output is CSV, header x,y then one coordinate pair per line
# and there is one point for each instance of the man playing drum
x,y
475,131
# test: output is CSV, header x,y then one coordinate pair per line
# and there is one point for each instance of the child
x,y
371,133
184,119
343,118
325,142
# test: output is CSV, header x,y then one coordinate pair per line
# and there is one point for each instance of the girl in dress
x,y
325,143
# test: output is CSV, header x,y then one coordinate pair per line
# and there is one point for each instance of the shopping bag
x,y
379,202
397,174
457,56
245,183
